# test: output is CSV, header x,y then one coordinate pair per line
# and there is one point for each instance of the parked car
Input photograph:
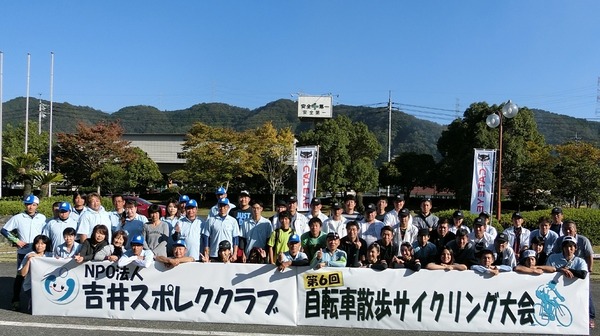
x,y
143,205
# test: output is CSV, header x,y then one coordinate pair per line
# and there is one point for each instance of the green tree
x,y
13,146
536,180
142,172
216,156
111,177
578,173
276,149
458,141
22,166
82,156
347,154
407,171
42,179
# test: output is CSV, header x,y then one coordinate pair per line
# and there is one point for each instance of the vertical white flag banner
x,y
482,190
307,176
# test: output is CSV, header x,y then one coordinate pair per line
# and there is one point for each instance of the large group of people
x,y
376,238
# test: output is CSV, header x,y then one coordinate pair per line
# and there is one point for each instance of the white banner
x,y
306,176
482,189
214,292
456,301
394,299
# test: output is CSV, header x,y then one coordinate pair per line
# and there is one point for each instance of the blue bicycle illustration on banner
x,y
550,309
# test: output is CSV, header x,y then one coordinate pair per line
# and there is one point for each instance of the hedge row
x,y
587,220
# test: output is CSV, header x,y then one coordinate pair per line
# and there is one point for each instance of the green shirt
x,y
281,245
311,245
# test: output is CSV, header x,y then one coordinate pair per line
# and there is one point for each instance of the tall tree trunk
x,y
27,185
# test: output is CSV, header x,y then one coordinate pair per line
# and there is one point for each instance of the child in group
x,y
137,255
94,244
70,247
41,248
407,258
373,260
115,250
224,252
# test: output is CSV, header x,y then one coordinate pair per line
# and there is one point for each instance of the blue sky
x,y
435,54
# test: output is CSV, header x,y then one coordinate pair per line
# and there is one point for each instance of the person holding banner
x,y
528,264
570,265
41,248
446,262
487,266
137,255
114,251
179,255
292,257
330,256
407,258
373,259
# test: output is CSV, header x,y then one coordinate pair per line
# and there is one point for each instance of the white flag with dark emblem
x,y
306,176
482,190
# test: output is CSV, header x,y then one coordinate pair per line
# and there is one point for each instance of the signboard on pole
x,y
315,106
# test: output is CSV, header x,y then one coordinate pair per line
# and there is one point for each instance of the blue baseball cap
x,y
224,201
184,198
30,199
191,204
64,207
221,191
294,239
180,242
139,240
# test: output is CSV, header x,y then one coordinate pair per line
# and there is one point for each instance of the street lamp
x,y
509,110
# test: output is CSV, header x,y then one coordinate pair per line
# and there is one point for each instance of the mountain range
x,y
408,132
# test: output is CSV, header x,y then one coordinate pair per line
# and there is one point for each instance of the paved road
x,y
16,323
